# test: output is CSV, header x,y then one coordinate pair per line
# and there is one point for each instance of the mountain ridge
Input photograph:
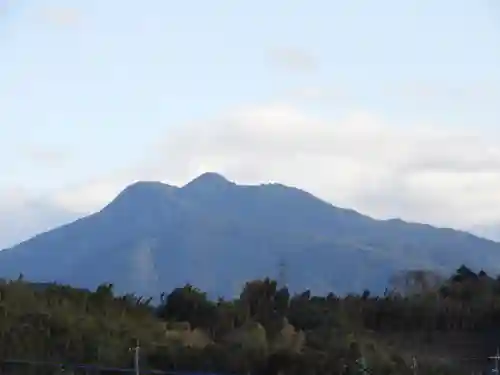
x,y
217,234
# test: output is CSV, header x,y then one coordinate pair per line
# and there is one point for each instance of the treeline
x,y
264,331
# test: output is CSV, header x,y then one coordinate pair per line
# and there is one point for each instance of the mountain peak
x,y
142,192
146,187
208,180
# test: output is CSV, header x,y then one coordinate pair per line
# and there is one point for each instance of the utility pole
x,y
414,365
282,274
136,351
362,366
496,357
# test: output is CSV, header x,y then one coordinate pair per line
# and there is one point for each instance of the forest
x,y
424,323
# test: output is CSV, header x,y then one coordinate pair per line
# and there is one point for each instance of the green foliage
x,y
264,331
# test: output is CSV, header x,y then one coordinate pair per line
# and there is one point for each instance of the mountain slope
x,y
216,234
19,219
491,232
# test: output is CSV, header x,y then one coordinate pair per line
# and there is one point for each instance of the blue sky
x,y
91,89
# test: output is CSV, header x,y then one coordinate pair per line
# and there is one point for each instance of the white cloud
x,y
94,195
21,217
46,156
488,92
62,16
329,96
421,172
293,59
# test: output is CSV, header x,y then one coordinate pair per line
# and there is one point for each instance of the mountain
x,y
20,219
491,232
216,234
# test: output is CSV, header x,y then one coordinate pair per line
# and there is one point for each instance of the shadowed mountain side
x,y
216,234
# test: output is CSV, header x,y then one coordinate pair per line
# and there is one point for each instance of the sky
x,y
389,107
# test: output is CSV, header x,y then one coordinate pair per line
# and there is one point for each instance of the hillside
x,y
216,234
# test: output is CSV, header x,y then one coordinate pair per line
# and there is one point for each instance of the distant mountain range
x,y
216,235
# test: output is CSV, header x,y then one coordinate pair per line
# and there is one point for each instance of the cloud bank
x,y
419,172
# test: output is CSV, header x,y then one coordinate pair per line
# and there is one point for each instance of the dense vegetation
x,y
264,331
